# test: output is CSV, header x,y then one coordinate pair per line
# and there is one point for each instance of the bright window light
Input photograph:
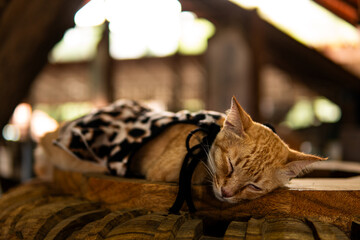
x,y
327,111
67,111
141,27
11,132
41,123
305,21
138,28
92,14
194,33
125,42
19,123
22,115
78,44
306,113
301,115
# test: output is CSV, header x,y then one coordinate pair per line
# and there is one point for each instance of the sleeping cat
x,y
245,161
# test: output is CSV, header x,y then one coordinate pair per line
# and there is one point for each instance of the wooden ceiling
x,y
345,9
277,48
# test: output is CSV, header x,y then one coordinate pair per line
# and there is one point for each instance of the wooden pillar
x,y
27,34
102,83
350,127
176,103
257,49
230,69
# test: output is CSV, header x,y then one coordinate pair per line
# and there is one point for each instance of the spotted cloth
x,y
109,136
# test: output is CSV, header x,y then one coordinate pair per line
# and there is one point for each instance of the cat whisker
x,y
210,173
210,160
209,165
208,181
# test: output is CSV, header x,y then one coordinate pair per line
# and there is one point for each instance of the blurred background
x,y
294,64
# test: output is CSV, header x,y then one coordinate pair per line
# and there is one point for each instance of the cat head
x,y
248,159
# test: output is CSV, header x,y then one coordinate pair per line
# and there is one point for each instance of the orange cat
x,y
246,160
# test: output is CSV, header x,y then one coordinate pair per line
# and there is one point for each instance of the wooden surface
x,y
339,208
329,184
38,211
325,184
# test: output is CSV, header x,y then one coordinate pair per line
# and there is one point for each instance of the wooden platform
x,y
93,206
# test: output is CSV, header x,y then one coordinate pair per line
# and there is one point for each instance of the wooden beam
x,y
342,9
295,58
330,205
220,12
27,34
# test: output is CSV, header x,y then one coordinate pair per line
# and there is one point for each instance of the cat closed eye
x,y
254,187
231,169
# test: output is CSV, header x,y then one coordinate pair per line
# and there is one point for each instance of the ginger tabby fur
x,y
246,161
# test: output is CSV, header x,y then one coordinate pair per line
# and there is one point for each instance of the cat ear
x,y
237,120
298,161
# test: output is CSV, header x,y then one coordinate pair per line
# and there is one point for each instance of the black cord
x,y
193,156
270,126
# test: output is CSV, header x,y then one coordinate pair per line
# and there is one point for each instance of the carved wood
x,y
51,214
331,205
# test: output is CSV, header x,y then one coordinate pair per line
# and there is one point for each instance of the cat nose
x,y
226,193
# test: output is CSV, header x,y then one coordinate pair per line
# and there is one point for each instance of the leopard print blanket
x,y
109,136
